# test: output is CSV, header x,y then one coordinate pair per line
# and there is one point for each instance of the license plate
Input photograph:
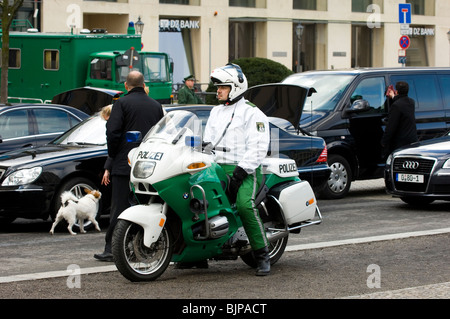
x,y
410,178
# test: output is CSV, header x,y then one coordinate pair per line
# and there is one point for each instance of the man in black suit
x,y
135,111
401,126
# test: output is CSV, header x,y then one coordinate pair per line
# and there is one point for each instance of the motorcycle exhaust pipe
x,y
274,235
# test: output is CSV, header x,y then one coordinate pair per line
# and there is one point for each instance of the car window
x,y
14,124
373,91
423,89
90,131
444,80
52,120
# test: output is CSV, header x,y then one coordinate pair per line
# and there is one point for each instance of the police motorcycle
x,y
183,212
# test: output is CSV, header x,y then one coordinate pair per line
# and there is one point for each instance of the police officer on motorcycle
x,y
243,129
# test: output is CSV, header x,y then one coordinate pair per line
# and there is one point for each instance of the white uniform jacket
x,y
247,137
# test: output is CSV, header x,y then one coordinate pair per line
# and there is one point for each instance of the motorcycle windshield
x,y
174,127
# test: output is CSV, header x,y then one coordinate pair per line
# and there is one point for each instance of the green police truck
x,y
42,65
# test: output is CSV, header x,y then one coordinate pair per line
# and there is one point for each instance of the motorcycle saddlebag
x,y
297,200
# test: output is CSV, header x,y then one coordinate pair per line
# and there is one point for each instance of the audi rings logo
x,y
410,165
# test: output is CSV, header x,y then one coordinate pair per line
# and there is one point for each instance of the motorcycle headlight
x,y
143,169
23,176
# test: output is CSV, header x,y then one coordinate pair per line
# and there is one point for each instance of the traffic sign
x,y
404,13
404,42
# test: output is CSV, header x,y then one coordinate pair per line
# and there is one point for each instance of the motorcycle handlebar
x,y
208,147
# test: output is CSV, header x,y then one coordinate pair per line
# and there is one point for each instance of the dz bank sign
x,y
166,25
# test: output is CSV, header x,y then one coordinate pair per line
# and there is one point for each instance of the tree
x,y
9,10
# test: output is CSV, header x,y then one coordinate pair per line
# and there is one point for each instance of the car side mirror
x,y
359,106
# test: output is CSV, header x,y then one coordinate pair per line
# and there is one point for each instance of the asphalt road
x,y
369,245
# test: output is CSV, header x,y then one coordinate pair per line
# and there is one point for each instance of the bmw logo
x,y
185,196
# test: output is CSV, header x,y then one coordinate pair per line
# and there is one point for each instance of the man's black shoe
x,y
104,257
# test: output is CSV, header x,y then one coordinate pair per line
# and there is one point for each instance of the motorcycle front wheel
x,y
133,259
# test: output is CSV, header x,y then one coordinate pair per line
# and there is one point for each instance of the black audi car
x,y
420,172
32,179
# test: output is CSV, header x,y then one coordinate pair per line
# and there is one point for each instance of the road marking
x,y
91,270
54,274
367,239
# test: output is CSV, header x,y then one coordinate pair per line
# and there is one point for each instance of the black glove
x,y
239,174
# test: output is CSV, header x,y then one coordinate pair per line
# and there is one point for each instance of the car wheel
x,y
338,184
76,186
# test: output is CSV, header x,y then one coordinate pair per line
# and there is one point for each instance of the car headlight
x,y
446,164
143,169
23,176
389,160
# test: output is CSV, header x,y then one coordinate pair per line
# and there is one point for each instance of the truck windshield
x,y
153,66
329,87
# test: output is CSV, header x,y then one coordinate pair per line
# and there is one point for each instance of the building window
x,y
320,5
247,3
422,7
363,5
361,46
185,2
51,60
360,5
304,48
241,40
14,58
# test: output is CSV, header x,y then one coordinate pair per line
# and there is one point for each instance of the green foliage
x,y
258,71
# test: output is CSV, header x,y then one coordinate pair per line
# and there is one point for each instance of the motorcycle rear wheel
x,y
133,259
276,250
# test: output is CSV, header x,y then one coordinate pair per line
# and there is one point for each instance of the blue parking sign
x,y
404,13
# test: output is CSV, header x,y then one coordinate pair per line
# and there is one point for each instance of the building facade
x,y
301,34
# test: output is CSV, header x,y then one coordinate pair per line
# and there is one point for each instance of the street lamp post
x,y
299,33
139,26
448,36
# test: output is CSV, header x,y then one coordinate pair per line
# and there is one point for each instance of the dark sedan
x,y
24,125
32,179
420,173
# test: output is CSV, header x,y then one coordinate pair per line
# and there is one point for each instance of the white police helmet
x,y
231,75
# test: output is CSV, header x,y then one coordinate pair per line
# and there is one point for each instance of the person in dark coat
x,y
401,127
135,111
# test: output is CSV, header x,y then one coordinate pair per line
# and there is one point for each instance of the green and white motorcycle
x,y
183,212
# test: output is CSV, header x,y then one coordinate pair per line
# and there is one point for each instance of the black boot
x,y
262,261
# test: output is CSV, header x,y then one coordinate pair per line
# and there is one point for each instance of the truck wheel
x,y
338,184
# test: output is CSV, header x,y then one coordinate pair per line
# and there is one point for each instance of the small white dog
x,y
73,208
